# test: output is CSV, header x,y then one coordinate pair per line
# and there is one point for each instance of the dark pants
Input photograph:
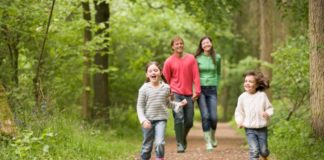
x,y
183,120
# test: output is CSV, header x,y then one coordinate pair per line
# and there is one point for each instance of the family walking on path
x,y
184,79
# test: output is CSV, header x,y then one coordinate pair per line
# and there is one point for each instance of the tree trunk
x,y
266,46
316,28
12,42
101,61
38,90
7,123
87,63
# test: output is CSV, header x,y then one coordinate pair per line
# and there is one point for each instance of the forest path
x,y
230,145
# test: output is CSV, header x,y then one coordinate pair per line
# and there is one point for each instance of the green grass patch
x,y
66,136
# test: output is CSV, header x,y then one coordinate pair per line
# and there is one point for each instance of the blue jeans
x,y
155,133
258,143
208,107
185,116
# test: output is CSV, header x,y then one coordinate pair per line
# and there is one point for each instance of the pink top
x,y
182,73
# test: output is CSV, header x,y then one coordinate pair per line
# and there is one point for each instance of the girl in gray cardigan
x,y
253,112
152,102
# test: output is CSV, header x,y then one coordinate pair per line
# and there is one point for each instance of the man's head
x,y
177,45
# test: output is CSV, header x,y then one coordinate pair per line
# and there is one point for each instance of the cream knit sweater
x,y
249,110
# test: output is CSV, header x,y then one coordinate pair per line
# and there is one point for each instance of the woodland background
x,y
70,70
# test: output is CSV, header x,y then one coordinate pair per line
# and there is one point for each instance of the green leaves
x,y
29,146
291,66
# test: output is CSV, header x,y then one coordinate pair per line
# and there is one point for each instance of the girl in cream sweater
x,y
253,112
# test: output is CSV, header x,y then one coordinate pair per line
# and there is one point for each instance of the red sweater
x,y
182,73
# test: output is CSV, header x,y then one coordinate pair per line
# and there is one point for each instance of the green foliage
x,y
296,12
291,73
215,15
27,146
64,136
124,118
140,31
293,139
233,79
137,38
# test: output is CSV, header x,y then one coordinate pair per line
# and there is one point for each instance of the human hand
x,y
194,97
183,102
147,124
265,115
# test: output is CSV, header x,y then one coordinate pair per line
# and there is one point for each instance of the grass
x,y
63,136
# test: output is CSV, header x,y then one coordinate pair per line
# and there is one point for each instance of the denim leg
x,y
204,112
159,138
253,143
147,145
263,142
212,108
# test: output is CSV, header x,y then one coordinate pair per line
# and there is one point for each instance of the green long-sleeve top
x,y
210,73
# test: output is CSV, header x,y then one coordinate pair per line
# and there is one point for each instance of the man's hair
x,y
176,38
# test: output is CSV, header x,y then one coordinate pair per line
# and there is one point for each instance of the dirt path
x,y
230,145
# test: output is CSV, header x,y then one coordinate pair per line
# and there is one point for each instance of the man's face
x,y
178,46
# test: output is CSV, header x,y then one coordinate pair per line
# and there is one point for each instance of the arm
x,y
239,113
196,79
167,71
140,106
268,110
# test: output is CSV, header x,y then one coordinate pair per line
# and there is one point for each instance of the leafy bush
x,y
293,139
291,133
291,73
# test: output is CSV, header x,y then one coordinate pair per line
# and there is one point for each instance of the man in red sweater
x,y
182,73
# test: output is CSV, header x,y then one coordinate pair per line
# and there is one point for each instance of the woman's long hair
x,y
201,50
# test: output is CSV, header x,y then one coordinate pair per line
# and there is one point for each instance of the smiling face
x,y
250,84
206,45
153,73
178,46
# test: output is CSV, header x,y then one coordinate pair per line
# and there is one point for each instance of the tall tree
x,y
316,28
87,63
100,81
266,40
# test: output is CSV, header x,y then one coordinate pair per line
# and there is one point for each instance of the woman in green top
x,y
209,69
